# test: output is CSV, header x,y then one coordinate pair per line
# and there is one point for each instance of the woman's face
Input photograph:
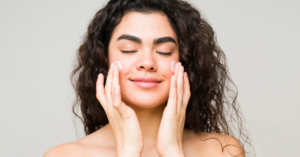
x,y
147,36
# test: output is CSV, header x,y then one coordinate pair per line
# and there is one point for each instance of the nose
x,y
146,61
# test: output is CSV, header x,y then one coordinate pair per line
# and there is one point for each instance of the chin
x,y
142,102
144,98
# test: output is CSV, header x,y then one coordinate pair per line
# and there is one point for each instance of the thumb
x,y
125,111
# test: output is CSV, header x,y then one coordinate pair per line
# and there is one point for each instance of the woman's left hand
x,y
169,142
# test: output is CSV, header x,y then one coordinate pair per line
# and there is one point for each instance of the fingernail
x,y
173,66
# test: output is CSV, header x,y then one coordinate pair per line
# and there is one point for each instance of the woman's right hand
x,y
122,118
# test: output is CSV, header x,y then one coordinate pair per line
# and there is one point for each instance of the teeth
x,y
119,64
173,66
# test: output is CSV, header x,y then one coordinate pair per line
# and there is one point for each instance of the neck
x,y
149,119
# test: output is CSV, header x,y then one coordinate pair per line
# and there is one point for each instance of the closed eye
x,y
129,51
163,53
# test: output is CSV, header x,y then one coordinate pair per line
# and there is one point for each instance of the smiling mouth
x,y
146,84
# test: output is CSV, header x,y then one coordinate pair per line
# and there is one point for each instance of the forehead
x,y
150,25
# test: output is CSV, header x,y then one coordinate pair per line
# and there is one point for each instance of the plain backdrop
x,y
39,39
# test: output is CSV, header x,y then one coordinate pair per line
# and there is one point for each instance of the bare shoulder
x,y
73,149
99,143
230,146
214,145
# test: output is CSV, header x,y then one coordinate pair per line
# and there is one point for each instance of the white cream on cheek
x,y
173,66
119,65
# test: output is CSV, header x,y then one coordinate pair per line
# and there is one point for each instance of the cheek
x,y
168,77
123,74
166,70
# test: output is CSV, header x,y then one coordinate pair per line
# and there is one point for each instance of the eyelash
x,y
167,54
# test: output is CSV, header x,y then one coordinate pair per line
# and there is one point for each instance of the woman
x,y
151,81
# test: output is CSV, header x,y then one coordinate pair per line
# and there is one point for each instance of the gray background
x,y
39,38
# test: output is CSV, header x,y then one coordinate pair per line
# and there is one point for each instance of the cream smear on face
x,y
173,66
119,65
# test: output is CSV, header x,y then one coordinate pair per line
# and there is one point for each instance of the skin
x,y
145,122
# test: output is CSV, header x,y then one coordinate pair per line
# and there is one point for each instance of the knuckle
x,y
127,117
174,94
117,94
174,116
116,105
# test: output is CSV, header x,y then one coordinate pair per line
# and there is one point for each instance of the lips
x,y
144,82
144,79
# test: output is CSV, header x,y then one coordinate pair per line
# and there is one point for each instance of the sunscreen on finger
x,y
119,64
173,66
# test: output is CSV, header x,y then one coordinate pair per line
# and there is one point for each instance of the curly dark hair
x,y
213,106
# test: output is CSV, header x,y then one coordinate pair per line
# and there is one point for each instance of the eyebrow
x,y
139,41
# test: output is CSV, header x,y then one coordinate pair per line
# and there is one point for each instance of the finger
x,y
115,77
176,67
108,85
100,93
172,95
115,90
186,91
179,88
116,93
124,111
